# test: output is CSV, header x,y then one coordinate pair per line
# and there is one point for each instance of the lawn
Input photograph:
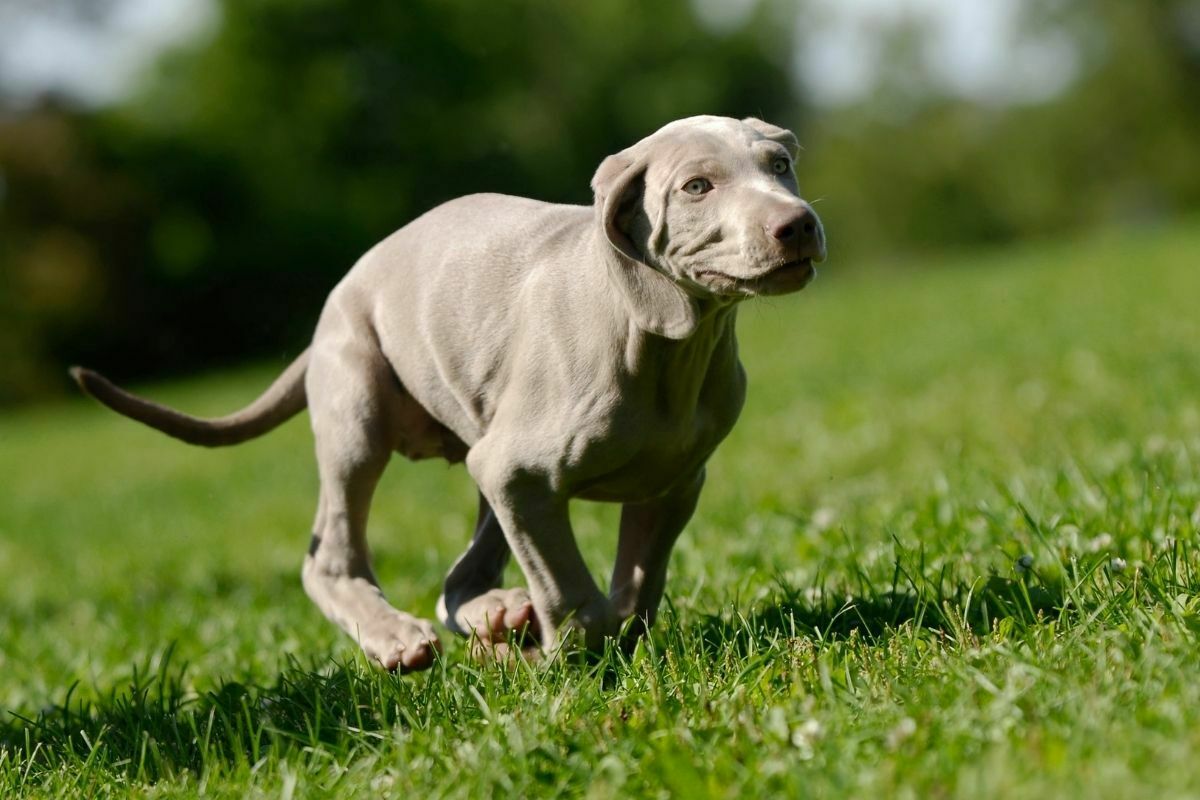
x,y
951,550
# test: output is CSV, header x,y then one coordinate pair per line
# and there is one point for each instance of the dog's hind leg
x,y
472,601
352,395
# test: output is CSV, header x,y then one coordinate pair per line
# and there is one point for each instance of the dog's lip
x,y
801,268
799,265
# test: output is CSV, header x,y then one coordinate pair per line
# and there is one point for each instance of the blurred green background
x,y
183,181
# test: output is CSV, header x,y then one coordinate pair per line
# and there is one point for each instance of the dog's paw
x,y
496,615
400,642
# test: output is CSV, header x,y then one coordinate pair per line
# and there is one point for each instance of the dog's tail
x,y
283,400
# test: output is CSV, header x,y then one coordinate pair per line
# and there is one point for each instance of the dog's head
x,y
705,208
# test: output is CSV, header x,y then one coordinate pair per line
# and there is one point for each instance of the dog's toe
x,y
421,657
497,614
415,657
516,619
403,646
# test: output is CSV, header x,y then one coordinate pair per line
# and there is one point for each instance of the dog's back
x,y
456,294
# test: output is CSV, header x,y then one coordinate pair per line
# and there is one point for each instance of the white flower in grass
x,y
382,782
823,518
1100,542
904,729
1116,565
1068,535
1025,562
805,735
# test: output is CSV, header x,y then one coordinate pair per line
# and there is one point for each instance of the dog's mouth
x,y
790,276
801,267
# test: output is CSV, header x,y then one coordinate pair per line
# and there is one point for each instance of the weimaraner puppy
x,y
562,352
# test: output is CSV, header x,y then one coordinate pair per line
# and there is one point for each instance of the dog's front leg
x,y
648,532
536,524
473,602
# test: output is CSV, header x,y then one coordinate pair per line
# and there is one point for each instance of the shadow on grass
x,y
154,727
821,616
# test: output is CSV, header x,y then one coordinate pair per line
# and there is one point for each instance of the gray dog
x,y
562,352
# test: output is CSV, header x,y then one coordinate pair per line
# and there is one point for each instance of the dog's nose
x,y
800,229
795,227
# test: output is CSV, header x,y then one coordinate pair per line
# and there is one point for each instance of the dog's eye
x,y
781,166
698,186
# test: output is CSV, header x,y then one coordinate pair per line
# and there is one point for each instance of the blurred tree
x,y
914,168
205,219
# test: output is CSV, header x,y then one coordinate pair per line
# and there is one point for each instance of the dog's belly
x,y
629,464
417,435
640,480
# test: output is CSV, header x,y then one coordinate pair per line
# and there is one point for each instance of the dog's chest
x,y
664,431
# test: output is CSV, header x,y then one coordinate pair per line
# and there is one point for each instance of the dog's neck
x,y
676,343
678,371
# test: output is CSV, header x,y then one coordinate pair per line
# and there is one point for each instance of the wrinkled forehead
x,y
701,140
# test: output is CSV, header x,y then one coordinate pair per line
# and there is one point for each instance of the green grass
x,y
847,615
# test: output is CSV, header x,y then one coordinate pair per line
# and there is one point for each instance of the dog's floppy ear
x,y
775,134
656,303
